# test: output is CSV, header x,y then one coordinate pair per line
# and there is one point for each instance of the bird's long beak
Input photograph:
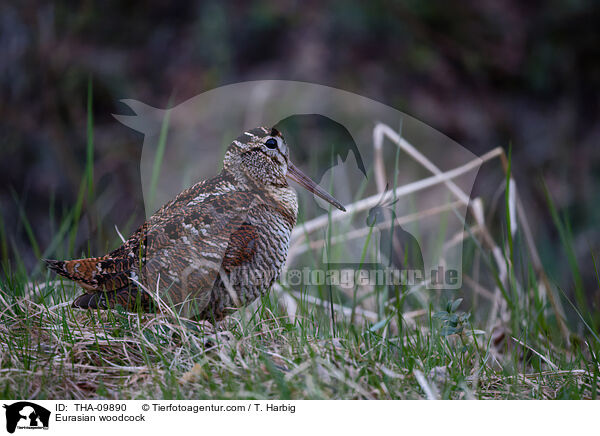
x,y
298,176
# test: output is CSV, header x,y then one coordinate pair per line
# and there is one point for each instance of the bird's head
x,y
262,155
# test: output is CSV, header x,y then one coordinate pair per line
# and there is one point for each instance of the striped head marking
x,y
262,155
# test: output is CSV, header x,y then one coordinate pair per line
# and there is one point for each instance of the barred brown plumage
x,y
217,246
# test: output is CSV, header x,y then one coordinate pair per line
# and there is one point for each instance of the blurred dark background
x,y
486,73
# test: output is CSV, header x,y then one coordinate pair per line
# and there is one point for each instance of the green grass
x,y
52,351
158,157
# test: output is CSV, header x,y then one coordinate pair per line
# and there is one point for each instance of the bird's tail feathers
x,y
82,271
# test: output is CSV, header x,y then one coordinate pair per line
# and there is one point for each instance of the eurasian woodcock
x,y
217,246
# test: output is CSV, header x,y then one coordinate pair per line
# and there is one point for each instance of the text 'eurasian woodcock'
x,y
217,246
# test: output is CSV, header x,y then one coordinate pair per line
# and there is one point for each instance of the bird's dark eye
x,y
271,143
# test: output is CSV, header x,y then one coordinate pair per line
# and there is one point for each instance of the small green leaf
x,y
456,304
441,315
447,331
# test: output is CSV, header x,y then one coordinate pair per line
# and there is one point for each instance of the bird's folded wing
x,y
186,250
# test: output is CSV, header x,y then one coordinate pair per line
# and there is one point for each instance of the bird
x,y
216,247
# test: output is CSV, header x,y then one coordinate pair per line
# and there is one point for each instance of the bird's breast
x,y
274,221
